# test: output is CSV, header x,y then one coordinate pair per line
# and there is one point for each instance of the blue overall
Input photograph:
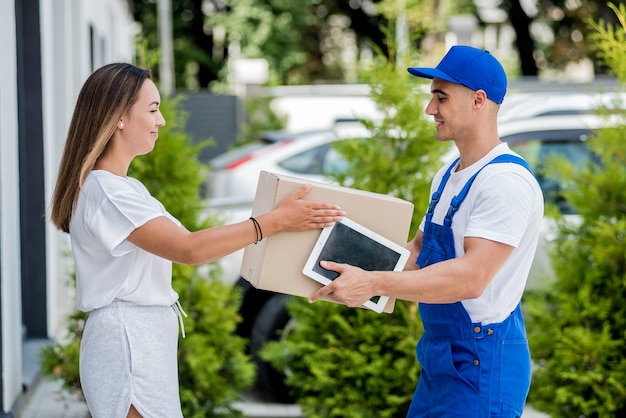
x,y
469,370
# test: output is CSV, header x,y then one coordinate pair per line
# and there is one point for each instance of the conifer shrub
x,y
348,362
577,327
213,366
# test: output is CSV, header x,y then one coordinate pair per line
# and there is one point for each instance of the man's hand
x,y
353,287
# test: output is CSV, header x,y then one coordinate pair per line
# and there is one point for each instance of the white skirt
x,y
128,356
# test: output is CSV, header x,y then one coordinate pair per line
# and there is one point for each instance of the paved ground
x,y
46,400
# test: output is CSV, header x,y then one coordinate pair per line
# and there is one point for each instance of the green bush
x,y
59,361
343,362
577,328
213,367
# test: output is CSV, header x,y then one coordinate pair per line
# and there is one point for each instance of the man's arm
x,y
448,281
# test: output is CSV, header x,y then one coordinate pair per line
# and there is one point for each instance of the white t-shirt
x,y
108,266
504,204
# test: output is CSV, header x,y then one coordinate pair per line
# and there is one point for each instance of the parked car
x,y
543,104
307,154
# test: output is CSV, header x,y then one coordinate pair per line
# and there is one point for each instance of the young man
x,y
471,255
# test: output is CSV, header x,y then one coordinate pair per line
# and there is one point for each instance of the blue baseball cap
x,y
471,67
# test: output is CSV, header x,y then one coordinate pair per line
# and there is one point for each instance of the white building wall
x,y
58,72
72,32
66,63
9,211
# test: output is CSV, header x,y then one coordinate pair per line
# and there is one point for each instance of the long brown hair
x,y
106,96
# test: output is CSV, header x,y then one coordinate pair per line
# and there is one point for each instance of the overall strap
x,y
455,204
437,195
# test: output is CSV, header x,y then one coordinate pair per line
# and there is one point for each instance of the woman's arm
x,y
164,238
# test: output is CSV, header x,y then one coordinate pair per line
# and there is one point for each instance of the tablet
x,y
351,243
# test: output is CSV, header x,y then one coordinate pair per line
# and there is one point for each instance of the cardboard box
x,y
276,262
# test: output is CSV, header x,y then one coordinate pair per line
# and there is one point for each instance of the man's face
x,y
451,107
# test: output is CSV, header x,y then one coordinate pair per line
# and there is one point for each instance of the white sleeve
x,y
121,212
503,208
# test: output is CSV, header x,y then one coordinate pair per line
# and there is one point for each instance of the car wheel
x,y
268,326
252,300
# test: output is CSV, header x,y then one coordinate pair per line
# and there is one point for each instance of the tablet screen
x,y
349,246
351,243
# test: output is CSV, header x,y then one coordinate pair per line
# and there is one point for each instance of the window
x,y
310,161
538,147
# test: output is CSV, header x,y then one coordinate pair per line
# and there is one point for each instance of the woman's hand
x,y
296,214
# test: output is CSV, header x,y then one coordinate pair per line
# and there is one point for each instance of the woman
x,y
124,242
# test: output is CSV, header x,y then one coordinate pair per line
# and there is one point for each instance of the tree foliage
x,y
568,37
299,39
198,54
610,41
577,328
325,40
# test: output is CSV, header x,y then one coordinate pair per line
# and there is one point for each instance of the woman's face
x,y
141,124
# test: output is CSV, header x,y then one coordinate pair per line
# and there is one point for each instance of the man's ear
x,y
480,98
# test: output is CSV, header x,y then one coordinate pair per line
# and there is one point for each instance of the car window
x,y
334,162
306,162
321,160
538,152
